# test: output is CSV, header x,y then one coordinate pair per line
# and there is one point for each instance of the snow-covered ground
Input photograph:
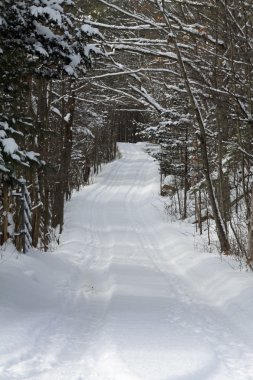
x,y
124,297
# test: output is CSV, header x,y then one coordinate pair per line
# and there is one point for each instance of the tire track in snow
x,y
205,321
56,331
147,243
125,312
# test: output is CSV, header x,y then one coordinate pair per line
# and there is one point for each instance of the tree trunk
x,y
250,238
224,243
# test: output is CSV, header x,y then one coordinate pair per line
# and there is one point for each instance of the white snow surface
x,y
90,31
39,48
125,296
53,14
9,145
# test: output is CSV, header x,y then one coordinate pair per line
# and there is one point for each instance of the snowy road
x,y
125,297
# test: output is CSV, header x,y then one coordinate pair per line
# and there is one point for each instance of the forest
x,y
78,76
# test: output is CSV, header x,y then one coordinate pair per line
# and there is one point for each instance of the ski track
x,y
124,309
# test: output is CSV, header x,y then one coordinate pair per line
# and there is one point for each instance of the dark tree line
x,y
51,139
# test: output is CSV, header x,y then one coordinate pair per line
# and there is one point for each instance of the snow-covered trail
x,y
120,303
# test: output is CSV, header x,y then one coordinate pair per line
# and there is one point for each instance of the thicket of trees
x,y
176,72
52,135
189,64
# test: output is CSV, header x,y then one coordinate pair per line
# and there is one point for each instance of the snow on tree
x,y
208,47
42,42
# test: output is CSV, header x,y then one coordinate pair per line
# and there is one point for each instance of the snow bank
x,y
125,296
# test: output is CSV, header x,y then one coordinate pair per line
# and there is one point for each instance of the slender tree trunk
x,y
185,174
6,210
250,238
224,243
